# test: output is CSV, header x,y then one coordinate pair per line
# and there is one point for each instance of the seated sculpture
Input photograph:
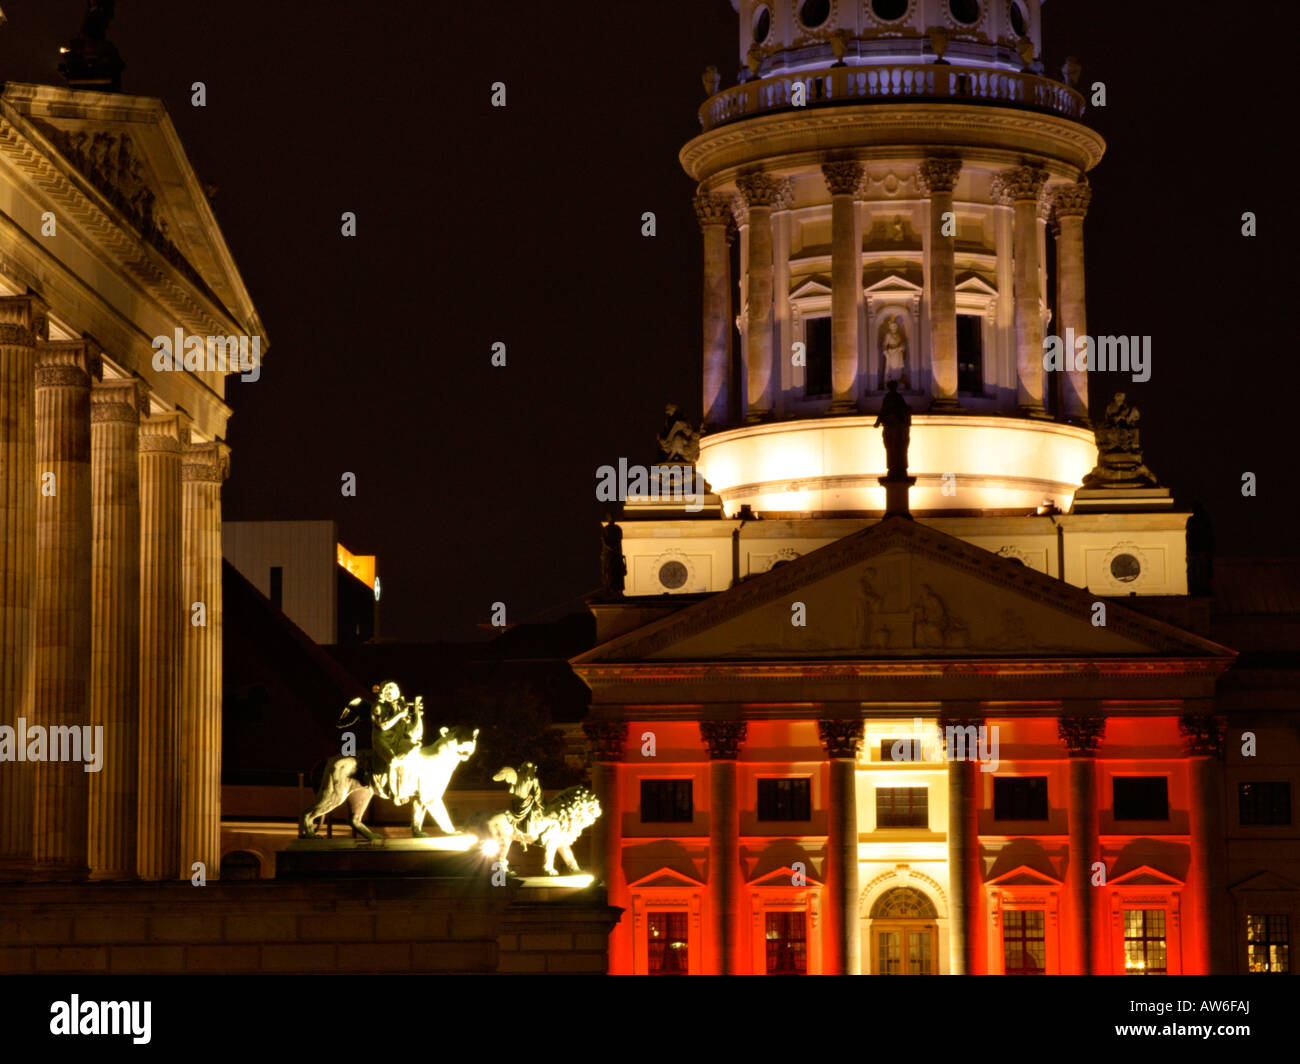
x,y
556,824
398,768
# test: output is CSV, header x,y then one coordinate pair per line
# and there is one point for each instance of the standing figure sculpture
x,y
613,563
893,352
679,440
556,824
896,417
397,768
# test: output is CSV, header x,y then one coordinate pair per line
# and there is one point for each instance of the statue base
x,y
1112,499
896,489
441,856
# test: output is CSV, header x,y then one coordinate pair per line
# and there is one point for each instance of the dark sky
x,y
522,225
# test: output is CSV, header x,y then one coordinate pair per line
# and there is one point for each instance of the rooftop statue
x,y
613,562
556,824
896,417
398,768
680,441
1119,450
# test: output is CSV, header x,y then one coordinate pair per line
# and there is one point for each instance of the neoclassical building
x,y
110,487
988,737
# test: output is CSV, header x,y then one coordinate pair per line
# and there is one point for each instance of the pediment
x,y
1145,876
666,877
785,877
900,590
976,284
811,286
1266,881
893,283
107,150
1024,876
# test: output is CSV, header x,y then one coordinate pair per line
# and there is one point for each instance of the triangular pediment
x,y
121,155
1145,876
893,283
1024,876
976,284
786,877
900,590
1266,881
811,286
665,877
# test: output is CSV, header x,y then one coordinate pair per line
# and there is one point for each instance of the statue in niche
x,y
893,351
556,824
613,562
398,767
679,440
896,417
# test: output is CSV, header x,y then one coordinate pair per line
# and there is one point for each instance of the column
x,y
964,879
1069,208
607,739
782,320
842,741
204,468
163,619
842,178
714,214
22,323
759,192
1206,951
1020,187
726,916
1081,737
115,408
939,177
61,701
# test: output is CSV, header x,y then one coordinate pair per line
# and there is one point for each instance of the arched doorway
x,y
904,934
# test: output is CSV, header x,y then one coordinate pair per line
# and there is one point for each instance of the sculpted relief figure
x,y
398,767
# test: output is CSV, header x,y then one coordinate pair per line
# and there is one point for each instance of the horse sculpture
x,y
352,779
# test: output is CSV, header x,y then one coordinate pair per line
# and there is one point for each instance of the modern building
x,y
987,735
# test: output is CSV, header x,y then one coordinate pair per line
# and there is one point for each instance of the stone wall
x,y
432,926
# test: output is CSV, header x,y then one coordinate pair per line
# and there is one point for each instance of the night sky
x,y
522,225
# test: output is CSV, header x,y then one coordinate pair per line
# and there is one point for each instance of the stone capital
x,y
120,399
205,463
23,320
1071,200
1203,734
758,190
724,738
843,176
939,174
1081,736
607,739
1018,184
712,209
841,738
67,363
166,433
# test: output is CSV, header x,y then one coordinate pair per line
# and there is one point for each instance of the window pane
x,y
1020,798
1264,802
970,354
1140,797
666,943
1268,947
1144,942
785,799
902,807
666,801
817,374
786,944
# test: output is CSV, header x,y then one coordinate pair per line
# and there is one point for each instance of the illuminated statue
x,y
893,352
556,824
399,768
896,417
1119,449
680,441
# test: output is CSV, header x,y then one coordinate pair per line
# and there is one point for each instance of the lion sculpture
x,y
556,824
350,779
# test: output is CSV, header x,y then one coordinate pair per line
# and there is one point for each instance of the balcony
x,y
892,83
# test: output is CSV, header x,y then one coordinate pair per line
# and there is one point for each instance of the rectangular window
x,y
277,586
666,802
1145,951
666,943
1024,950
910,748
1268,944
787,799
817,343
1020,798
970,354
902,807
787,944
1264,802
1141,797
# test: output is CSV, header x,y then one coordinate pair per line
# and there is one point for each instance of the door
x,y
904,948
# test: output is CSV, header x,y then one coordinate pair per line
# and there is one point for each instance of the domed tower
x,y
892,169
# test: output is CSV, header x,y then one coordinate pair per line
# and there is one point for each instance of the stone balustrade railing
x,y
892,82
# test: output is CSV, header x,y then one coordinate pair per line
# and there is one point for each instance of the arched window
x,y
903,903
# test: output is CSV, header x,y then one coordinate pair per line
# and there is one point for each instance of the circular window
x,y
1018,18
1125,568
762,25
812,13
672,575
967,12
888,10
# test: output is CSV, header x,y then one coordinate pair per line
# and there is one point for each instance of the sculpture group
x,y
400,768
